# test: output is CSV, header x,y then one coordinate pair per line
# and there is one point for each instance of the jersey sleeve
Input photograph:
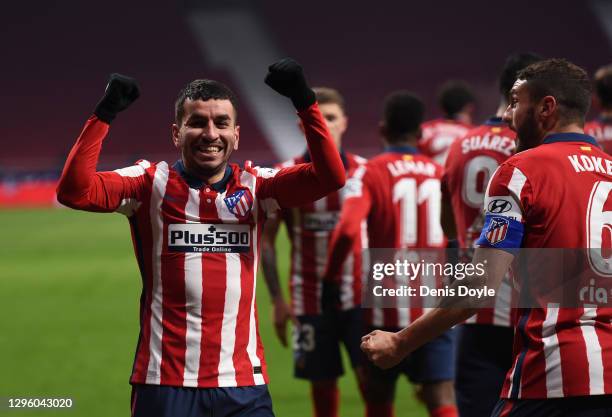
x,y
508,198
304,183
81,187
355,209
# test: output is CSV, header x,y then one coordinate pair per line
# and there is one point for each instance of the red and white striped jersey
x,y
197,247
309,228
471,162
399,194
438,135
560,193
601,129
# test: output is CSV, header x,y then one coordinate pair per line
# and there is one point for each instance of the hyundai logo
x,y
499,206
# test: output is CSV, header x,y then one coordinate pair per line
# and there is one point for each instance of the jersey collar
x,y
197,183
402,149
570,137
495,121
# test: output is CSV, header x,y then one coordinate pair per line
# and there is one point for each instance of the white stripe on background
x,y
593,350
552,354
378,319
320,248
249,180
157,227
193,298
227,373
501,311
297,282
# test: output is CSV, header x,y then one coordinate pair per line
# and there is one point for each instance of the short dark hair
x,y
403,115
453,96
514,63
603,86
326,95
203,90
566,82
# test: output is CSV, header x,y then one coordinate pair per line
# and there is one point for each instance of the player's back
x,y
437,136
601,129
309,228
405,190
563,188
471,162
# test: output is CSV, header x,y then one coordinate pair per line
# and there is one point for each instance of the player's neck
x,y
398,144
569,128
209,178
463,117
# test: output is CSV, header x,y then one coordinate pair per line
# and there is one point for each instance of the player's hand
x,y
382,348
330,296
121,91
286,77
282,314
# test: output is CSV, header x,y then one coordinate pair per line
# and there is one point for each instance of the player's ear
x,y
236,137
343,123
175,135
548,106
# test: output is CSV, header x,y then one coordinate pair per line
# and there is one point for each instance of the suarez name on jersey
x,y
471,162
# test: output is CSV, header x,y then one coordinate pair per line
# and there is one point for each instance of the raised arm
x,y
303,183
80,186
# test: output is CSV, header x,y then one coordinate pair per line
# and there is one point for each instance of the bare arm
x,y
282,311
386,349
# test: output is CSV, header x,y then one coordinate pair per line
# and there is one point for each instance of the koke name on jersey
x,y
502,144
588,163
200,237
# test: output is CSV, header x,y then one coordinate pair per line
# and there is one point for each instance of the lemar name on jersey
x,y
408,166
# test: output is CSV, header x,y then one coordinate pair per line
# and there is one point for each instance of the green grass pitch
x,y
69,326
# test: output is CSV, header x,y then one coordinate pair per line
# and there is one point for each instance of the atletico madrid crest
x,y
239,203
498,228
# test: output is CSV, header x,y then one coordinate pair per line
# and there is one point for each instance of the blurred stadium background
x,y
70,286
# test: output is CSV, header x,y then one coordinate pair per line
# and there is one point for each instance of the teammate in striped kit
x,y
601,128
484,343
317,336
398,192
562,362
196,227
457,102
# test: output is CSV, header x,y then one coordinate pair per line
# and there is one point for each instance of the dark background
x,y
56,57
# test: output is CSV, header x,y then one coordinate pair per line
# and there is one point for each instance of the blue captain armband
x,y
501,233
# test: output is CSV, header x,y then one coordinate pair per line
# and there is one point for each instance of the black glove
x,y
330,297
121,91
287,78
